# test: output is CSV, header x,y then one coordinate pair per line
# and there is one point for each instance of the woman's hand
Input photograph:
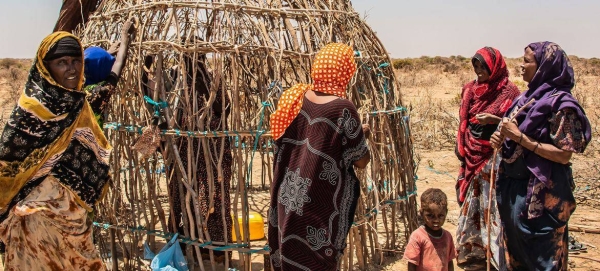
x,y
128,27
509,129
114,47
496,140
487,118
125,30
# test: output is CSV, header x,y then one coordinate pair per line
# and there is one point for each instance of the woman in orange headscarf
x,y
319,140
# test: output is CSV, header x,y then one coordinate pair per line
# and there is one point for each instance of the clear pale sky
x,y
407,28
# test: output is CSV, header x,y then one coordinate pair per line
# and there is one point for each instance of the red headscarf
x,y
494,97
333,68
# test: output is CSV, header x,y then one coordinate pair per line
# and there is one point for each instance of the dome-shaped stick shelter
x,y
209,74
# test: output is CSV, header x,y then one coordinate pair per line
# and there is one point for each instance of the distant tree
x,y
74,13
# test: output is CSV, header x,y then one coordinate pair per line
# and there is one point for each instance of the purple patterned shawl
x,y
551,88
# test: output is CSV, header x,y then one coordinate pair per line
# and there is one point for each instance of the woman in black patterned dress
x,y
319,141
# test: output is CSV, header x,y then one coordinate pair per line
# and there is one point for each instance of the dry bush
x,y
14,79
434,122
456,101
7,63
451,67
402,63
452,64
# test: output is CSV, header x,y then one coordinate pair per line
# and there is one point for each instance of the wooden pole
x,y
491,193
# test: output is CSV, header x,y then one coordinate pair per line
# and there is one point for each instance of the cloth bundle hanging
x,y
149,141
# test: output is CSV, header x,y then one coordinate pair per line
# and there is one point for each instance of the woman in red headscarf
x,y
318,142
484,101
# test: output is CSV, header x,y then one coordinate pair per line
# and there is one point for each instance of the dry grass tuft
x,y
13,73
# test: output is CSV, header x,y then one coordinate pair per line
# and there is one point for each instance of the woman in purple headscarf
x,y
535,181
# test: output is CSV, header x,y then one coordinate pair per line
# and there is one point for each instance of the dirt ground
x,y
438,168
441,175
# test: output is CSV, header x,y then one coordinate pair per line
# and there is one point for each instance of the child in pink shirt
x,y
431,248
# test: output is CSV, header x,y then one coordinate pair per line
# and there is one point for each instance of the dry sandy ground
x,y
441,175
445,165
438,169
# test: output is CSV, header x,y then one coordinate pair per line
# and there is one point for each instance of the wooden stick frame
x,y
254,51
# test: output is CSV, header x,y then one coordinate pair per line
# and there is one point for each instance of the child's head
x,y
434,208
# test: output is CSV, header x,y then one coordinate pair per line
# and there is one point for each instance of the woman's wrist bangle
x,y
520,138
536,146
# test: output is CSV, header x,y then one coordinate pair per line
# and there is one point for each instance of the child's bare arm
x,y
413,267
451,265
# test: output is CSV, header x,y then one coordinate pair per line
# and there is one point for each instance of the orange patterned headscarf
x,y
333,68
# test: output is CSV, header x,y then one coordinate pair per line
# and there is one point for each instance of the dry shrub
x,y
460,58
402,63
434,122
429,80
16,81
456,101
451,68
7,63
14,77
452,65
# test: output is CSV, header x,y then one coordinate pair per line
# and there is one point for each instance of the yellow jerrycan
x,y
257,228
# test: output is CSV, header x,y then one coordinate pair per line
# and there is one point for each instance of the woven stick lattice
x,y
249,51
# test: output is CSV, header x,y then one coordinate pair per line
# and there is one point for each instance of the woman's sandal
x,y
575,247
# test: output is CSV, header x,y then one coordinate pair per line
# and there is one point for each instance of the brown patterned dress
x,y
315,188
57,231
218,223
215,227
